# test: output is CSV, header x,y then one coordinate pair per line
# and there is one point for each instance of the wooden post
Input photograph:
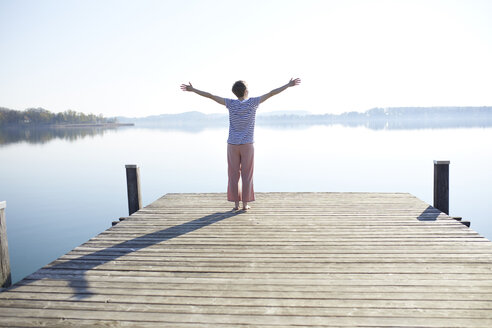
x,y
133,188
5,275
441,186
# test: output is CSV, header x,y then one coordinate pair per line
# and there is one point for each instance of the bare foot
x,y
247,207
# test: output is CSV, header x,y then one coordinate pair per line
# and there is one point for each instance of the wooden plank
x,y
211,295
170,318
426,286
168,302
79,277
238,276
367,311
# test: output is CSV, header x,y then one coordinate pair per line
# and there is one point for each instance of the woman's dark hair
x,y
239,88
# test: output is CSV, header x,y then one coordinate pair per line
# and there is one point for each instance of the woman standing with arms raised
x,y
240,149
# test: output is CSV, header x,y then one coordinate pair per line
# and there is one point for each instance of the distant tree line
x,y
41,116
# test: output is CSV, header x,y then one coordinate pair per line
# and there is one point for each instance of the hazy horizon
x,y
271,112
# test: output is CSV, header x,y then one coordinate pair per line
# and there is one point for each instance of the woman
x,y
240,150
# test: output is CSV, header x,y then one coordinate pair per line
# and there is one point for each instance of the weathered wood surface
x,y
295,259
5,275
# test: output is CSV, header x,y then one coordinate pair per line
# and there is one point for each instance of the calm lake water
x,y
64,187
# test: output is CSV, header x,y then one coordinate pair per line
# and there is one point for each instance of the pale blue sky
x,y
128,58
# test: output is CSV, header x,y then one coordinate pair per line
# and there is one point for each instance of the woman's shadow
x,y
87,262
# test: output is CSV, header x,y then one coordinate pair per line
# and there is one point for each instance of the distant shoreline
x,y
393,118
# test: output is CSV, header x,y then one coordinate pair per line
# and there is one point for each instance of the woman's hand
x,y
294,82
185,87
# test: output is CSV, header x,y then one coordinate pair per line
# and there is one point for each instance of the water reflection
x,y
390,123
42,135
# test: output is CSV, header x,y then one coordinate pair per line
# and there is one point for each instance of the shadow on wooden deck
x,y
430,214
90,261
87,262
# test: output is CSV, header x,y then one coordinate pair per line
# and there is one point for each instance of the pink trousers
x,y
240,160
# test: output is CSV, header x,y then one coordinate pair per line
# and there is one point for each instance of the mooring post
x,y
5,275
133,188
441,186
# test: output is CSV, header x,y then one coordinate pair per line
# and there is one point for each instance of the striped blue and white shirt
x,y
242,120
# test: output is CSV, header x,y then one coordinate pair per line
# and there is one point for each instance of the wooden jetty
x,y
295,259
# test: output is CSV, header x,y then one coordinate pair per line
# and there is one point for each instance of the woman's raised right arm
x,y
189,87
